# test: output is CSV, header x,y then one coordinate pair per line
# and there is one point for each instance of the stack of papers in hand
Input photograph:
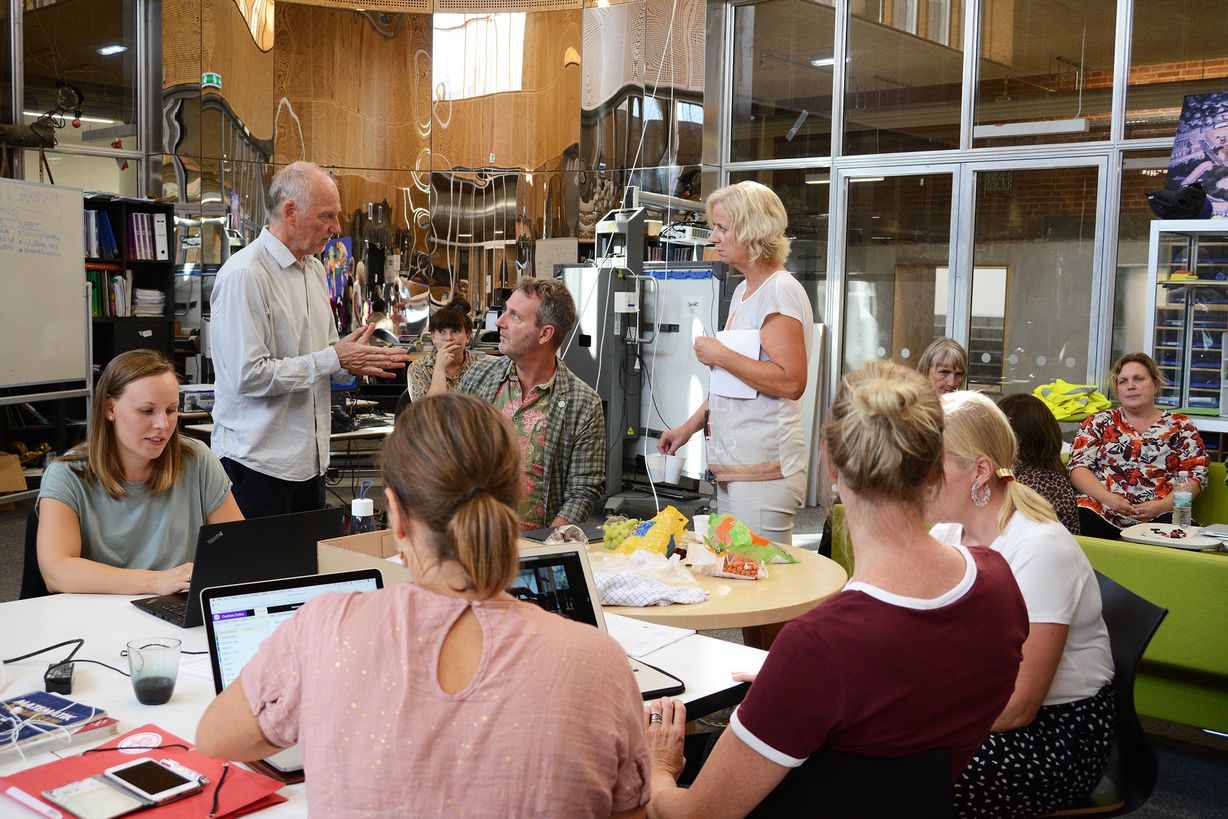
x,y
148,303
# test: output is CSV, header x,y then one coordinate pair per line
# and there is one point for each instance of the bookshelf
x,y
130,259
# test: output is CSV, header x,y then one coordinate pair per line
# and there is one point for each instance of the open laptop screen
x,y
239,618
556,582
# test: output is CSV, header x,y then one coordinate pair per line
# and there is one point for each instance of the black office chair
x,y
1131,775
843,785
32,584
402,402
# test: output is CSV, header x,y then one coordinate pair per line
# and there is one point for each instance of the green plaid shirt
x,y
574,455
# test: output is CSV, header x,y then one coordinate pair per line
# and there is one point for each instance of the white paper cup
x,y
700,524
663,468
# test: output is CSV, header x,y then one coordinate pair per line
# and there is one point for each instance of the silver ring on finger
x,y
654,718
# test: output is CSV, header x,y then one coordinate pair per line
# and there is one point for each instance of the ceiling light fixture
x,y
107,51
823,62
98,120
817,179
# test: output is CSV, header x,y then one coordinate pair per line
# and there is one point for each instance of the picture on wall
x,y
337,255
1200,150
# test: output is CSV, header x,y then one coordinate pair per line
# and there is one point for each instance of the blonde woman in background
x,y
919,651
444,696
756,449
1050,744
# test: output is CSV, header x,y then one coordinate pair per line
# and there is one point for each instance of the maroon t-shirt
x,y
874,674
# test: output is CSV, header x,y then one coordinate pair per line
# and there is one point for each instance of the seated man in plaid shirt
x,y
558,416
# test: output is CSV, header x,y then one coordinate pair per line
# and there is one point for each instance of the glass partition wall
x,y
985,165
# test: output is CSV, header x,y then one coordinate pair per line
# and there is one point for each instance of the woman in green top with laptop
x,y
120,512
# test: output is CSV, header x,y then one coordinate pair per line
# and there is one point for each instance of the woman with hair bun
x,y
756,446
451,329
918,652
1051,742
444,696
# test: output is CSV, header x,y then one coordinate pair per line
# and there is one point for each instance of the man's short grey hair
x,y
292,184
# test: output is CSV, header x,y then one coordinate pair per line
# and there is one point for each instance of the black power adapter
x,y
58,679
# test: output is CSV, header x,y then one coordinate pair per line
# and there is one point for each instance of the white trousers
x,y
767,507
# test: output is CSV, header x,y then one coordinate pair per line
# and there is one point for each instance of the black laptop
x,y
244,551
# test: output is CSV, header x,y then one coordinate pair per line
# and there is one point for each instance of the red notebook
x,y
244,791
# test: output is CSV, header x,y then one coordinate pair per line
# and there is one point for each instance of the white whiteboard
x,y
43,318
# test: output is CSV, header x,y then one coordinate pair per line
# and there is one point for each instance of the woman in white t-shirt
x,y
1050,744
756,446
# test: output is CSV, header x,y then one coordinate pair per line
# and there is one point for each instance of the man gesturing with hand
x,y
276,350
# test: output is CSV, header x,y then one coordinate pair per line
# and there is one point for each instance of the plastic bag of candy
x,y
727,533
658,535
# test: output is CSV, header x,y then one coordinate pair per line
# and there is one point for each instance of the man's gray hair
x,y
292,184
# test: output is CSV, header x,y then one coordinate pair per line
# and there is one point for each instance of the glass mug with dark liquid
x,y
154,663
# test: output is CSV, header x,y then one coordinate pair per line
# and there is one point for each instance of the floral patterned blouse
x,y
419,376
1139,467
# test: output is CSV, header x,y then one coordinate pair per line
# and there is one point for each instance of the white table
x,y
108,622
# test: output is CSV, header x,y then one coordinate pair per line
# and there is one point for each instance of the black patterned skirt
x,y
1042,767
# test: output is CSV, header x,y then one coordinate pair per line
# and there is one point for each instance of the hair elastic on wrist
x,y
1007,475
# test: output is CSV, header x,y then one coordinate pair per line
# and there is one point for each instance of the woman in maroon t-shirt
x,y
919,651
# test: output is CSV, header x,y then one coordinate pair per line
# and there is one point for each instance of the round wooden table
x,y
758,607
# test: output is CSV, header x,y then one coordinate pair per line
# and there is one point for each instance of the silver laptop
x,y
239,617
559,579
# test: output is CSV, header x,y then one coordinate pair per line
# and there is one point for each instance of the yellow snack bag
x,y
657,535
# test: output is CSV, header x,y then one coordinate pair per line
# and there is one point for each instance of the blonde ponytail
x,y
975,427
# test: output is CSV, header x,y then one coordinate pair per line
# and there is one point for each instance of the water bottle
x,y
1183,500
362,511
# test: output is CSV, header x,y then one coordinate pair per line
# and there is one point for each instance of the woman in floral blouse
x,y
451,330
1124,460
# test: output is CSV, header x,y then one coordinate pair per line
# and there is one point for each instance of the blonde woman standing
x,y
756,447
1050,744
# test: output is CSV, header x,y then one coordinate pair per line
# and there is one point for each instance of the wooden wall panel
x,y
529,129
227,48
348,95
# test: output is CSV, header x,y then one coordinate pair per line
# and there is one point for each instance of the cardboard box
x,y
11,478
370,550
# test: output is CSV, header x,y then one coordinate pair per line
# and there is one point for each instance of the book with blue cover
x,y
34,715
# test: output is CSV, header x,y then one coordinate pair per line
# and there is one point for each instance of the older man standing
x,y
557,416
276,350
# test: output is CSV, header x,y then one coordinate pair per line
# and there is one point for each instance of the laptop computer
x,y
247,550
238,618
559,579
